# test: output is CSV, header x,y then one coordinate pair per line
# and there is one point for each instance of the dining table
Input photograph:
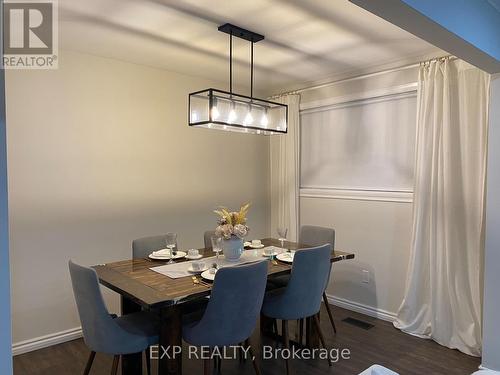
x,y
141,288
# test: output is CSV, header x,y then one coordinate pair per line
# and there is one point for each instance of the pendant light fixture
x,y
223,110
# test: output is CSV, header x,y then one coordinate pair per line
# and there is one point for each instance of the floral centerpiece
x,y
232,228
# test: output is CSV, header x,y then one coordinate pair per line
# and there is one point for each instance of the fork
x,y
199,282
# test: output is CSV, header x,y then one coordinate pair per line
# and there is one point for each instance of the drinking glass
x,y
282,232
216,246
171,240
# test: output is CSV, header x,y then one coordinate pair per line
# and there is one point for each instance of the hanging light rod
x,y
222,110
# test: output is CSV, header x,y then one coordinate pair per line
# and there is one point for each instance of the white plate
x,y
274,253
190,269
256,247
285,257
207,275
199,256
164,255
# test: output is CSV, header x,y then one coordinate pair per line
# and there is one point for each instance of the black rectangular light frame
x,y
212,91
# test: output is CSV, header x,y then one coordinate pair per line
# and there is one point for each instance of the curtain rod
x,y
361,76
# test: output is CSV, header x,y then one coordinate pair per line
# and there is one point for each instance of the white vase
x,y
232,248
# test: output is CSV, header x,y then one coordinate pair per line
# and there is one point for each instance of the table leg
x,y
266,325
170,362
131,363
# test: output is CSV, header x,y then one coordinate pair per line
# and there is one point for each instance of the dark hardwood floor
x,y
381,344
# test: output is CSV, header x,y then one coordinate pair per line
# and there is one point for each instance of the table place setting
x,y
164,254
286,256
254,244
208,266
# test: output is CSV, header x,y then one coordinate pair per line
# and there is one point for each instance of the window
x,y
360,145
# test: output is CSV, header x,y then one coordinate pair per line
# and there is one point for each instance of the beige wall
x,y
378,232
100,153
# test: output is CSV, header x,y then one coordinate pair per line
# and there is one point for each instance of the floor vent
x,y
358,323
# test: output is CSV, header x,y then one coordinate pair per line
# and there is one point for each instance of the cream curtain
x,y
443,289
284,161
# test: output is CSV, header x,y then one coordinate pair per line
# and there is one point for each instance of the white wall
x,y
100,153
377,231
491,304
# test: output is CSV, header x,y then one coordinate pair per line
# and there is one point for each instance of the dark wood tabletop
x,y
134,279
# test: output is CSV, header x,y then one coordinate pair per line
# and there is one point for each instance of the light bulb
x,y
194,116
232,116
215,113
264,121
248,119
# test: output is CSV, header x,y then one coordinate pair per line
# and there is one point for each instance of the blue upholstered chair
x,y
207,238
105,333
233,309
142,247
302,296
312,236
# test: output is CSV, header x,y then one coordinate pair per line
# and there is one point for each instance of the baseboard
x,y
46,341
75,333
361,308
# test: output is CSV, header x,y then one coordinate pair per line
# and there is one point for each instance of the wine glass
x,y
171,240
216,246
282,232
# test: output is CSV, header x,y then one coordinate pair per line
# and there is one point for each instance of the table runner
x,y
178,270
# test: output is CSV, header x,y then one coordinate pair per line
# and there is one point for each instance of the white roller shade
x,y
362,145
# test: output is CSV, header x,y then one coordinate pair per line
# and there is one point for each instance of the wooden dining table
x,y
141,288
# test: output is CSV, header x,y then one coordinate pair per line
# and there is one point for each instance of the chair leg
x,y
321,337
206,366
275,326
114,369
329,311
301,331
286,342
148,361
89,363
253,357
241,354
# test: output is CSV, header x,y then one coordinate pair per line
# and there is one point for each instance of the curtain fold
x,y
284,154
443,290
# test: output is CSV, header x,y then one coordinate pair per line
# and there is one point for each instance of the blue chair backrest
x,y
316,236
100,332
144,246
310,270
235,304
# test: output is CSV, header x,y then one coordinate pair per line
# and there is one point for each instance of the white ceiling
x,y
307,41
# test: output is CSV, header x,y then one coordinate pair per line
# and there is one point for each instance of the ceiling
x,y
307,41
